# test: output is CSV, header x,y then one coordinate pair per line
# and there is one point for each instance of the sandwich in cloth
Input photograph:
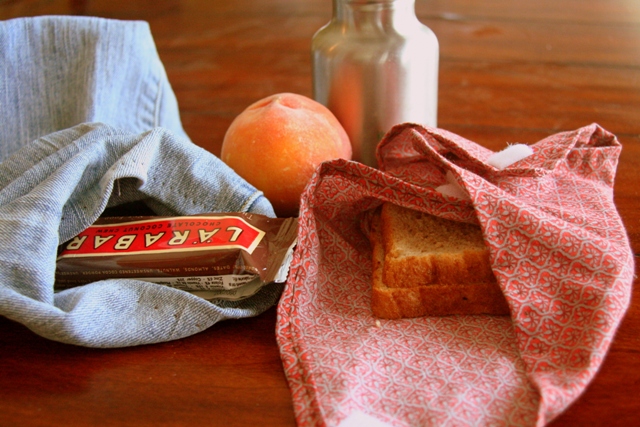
x,y
557,248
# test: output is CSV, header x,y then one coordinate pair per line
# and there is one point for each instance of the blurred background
x,y
528,52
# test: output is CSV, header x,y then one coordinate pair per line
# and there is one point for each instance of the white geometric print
x,y
558,249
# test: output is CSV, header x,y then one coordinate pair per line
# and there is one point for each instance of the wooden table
x,y
511,71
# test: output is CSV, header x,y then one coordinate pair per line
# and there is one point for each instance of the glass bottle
x,y
375,65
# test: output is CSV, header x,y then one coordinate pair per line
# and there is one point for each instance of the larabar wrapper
x,y
214,255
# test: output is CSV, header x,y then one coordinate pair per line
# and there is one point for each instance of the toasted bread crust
x,y
426,298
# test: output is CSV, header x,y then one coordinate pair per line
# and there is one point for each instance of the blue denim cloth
x,y
89,121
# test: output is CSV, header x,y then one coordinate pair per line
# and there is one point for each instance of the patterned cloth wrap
x,y
558,249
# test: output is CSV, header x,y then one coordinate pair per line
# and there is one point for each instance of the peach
x,y
276,144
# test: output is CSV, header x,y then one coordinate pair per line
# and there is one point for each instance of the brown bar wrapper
x,y
214,255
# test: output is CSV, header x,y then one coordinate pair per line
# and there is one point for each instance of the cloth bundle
x,y
558,249
61,80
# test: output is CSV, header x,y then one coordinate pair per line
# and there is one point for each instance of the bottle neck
x,y
374,15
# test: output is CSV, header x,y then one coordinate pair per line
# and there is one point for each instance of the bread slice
x,y
422,248
432,256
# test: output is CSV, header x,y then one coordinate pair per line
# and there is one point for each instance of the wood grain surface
x,y
510,71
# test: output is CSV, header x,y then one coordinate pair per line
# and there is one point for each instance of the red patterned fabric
x,y
558,249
